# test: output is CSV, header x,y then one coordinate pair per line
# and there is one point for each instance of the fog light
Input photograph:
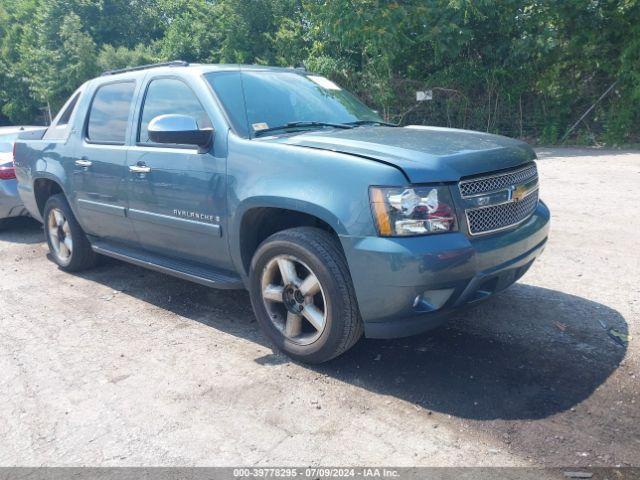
x,y
432,300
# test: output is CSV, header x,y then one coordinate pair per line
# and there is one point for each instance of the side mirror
x,y
179,129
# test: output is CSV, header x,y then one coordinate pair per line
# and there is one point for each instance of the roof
x,y
197,68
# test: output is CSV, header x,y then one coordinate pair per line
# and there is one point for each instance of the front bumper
x,y
10,202
405,286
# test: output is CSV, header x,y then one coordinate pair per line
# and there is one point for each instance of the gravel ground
x,y
121,366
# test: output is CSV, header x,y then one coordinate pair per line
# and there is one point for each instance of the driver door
x,y
176,195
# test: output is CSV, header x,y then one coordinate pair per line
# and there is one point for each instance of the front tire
x,y
302,295
67,242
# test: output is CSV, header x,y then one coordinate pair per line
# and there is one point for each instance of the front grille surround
x,y
499,201
499,181
494,218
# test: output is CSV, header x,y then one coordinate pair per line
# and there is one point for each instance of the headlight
x,y
409,211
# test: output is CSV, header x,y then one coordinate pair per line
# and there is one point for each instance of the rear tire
x,y
67,242
309,311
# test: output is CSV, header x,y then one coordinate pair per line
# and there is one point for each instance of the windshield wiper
x,y
303,124
371,122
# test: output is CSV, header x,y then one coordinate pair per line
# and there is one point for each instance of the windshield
x,y
273,99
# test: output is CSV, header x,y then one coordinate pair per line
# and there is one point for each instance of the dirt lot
x,y
123,366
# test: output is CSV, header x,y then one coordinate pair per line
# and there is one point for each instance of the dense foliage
x,y
521,68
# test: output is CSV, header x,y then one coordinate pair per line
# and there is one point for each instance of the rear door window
x,y
109,113
167,96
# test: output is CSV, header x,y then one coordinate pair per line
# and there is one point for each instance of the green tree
x,y
521,68
110,57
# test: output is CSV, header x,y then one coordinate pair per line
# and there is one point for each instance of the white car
x,y
10,203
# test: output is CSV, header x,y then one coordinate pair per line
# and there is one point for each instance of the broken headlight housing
x,y
408,211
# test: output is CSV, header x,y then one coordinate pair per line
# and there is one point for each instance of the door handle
x,y
139,169
83,163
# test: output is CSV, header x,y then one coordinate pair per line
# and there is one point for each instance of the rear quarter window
x,y
66,114
59,129
109,113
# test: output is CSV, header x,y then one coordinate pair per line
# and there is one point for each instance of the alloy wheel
x,y
294,299
60,235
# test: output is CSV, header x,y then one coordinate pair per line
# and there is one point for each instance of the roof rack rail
x,y
175,63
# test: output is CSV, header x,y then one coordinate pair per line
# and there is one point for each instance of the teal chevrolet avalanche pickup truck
x,y
283,183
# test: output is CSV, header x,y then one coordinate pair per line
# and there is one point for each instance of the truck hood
x,y
424,154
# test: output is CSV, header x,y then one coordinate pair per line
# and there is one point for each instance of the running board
x,y
176,268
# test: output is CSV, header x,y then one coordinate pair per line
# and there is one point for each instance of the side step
x,y
176,268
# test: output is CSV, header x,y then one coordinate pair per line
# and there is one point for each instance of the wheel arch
x,y
258,220
43,188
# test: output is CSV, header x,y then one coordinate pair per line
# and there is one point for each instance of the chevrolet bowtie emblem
x,y
519,192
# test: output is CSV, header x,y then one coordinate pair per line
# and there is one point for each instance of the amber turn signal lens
x,y
380,212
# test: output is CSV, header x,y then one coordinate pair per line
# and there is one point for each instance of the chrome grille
x,y
501,216
478,186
